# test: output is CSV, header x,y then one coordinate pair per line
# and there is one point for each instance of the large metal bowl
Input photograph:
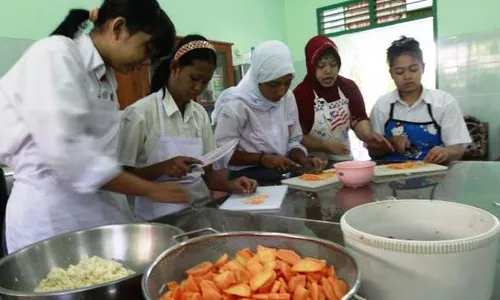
x,y
134,245
171,265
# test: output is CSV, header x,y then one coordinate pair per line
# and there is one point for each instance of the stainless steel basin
x,y
134,245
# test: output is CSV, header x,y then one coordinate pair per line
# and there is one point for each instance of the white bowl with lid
x,y
423,249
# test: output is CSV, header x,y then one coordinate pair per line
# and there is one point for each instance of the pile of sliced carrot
x,y
405,166
269,274
318,177
259,199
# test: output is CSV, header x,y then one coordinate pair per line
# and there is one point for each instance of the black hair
x,y
162,72
330,52
404,46
141,15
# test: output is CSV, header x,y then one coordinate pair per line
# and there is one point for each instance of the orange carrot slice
x,y
222,261
328,288
308,266
260,280
191,285
201,269
339,287
241,290
266,255
300,293
224,280
296,281
254,267
276,287
314,290
288,256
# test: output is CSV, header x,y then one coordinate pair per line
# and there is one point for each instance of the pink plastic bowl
x,y
355,173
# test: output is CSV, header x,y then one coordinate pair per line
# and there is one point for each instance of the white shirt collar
x,y
171,107
424,96
92,60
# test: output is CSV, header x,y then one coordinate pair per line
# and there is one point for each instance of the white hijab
x,y
271,60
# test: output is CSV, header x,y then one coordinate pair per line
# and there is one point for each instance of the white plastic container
x,y
423,249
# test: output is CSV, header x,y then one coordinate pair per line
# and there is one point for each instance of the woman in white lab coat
x,y
262,113
162,135
59,105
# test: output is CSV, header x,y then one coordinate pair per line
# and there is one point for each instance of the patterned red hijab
x,y
314,50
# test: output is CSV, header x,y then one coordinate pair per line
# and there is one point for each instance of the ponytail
x,y
161,75
72,22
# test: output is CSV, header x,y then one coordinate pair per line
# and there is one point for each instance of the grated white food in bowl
x,y
88,272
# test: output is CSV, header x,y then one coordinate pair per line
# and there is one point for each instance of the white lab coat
x,y
61,140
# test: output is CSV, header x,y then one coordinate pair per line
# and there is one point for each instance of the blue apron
x,y
423,136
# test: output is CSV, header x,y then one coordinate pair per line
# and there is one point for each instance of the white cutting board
x,y
311,186
382,170
276,195
389,178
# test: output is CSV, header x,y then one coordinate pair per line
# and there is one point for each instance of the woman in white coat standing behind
x,y
59,105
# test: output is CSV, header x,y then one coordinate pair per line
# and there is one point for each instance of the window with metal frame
x,y
359,15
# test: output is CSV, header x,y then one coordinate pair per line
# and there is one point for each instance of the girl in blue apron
x,y
423,136
421,124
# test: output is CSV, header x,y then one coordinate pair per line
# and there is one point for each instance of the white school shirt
x,y
47,112
140,127
444,107
276,131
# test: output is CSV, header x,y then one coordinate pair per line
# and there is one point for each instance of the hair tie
x,y
93,14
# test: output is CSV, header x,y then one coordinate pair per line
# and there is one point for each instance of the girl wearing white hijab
x,y
262,113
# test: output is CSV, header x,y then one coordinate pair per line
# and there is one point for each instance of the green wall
x,y
244,23
455,17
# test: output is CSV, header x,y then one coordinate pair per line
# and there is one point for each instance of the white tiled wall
x,y
469,69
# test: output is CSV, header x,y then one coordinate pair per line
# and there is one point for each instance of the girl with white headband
x,y
163,133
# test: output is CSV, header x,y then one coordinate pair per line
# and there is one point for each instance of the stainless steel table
x,y
317,214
